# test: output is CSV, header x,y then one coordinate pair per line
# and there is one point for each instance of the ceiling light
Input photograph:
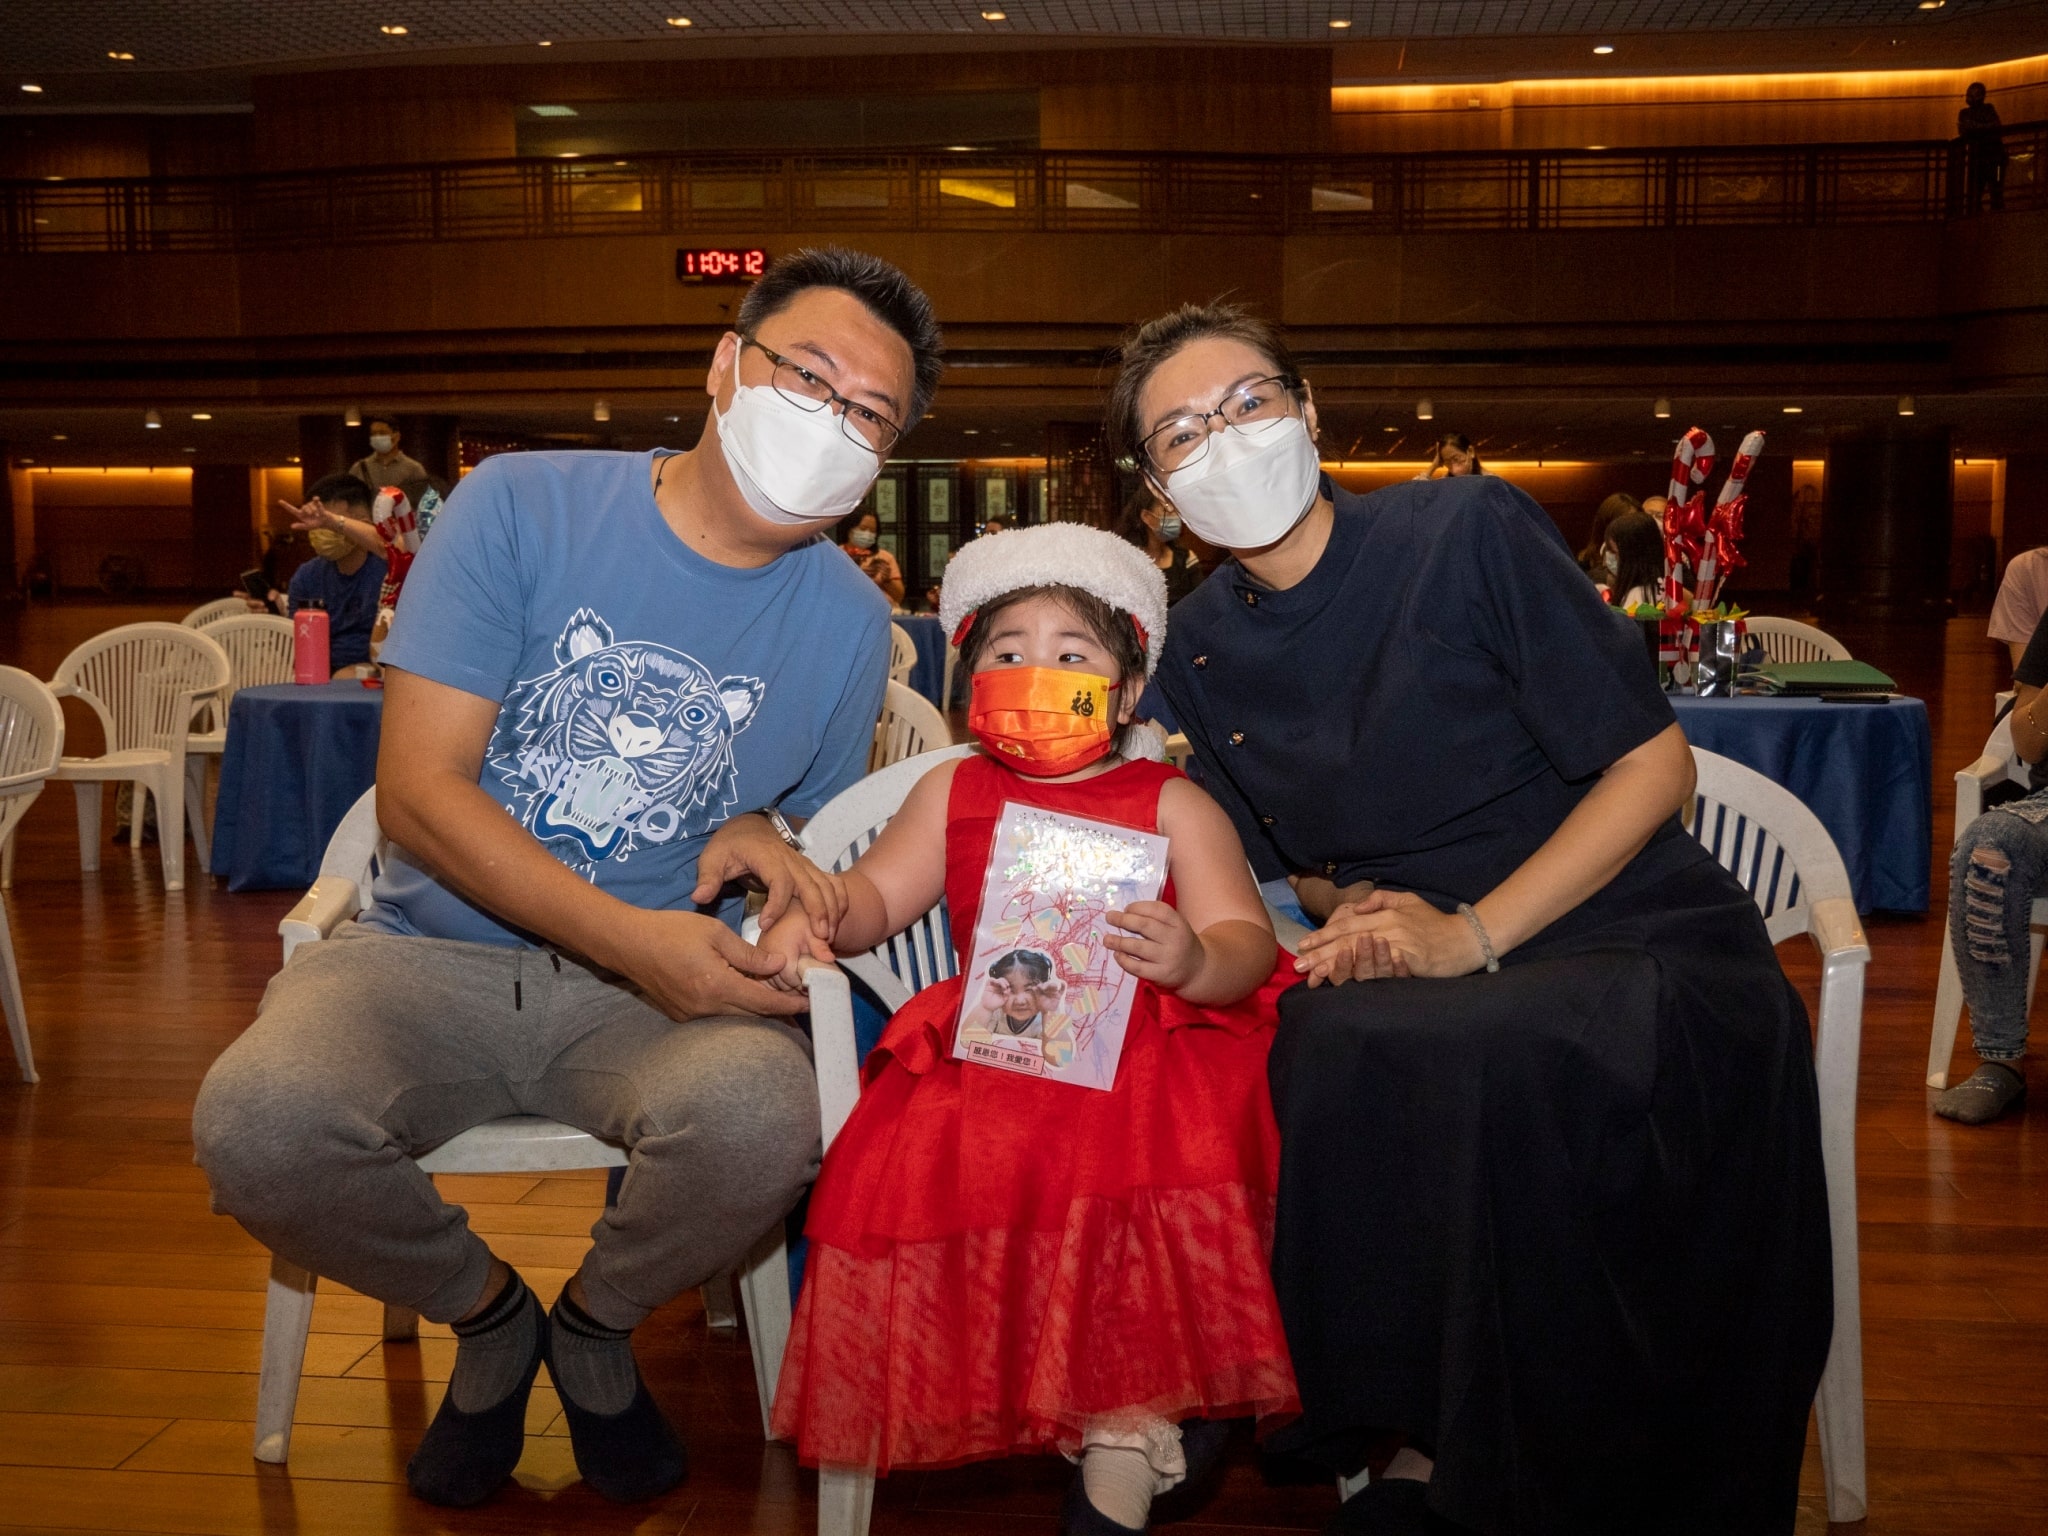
x,y
1338,23
1906,405
1662,409
60,437
995,15
545,43
1604,48
394,30
121,54
1932,5
202,415
1794,410
1424,411
188,450
680,21
1390,429
151,420
552,111
970,431
602,411
352,417
671,419
33,90
567,154
295,458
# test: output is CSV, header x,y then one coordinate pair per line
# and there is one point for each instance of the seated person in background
x,y
1453,456
1596,537
1155,528
1999,866
860,536
343,577
2022,598
998,524
1631,568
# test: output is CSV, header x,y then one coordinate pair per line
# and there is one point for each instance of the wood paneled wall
x,y
1842,107
124,144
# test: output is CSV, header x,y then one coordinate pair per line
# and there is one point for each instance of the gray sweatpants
x,y
368,1047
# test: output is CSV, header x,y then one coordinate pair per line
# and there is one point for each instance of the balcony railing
x,y
760,195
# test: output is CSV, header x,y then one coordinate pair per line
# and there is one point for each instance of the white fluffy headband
x,y
1063,555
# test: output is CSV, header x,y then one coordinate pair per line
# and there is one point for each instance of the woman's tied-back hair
x,y
889,296
1151,344
1035,963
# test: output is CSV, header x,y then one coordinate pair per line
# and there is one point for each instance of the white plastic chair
x,y
1998,764
259,647
219,608
909,726
1785,859
902,654
514,1144
1790,640
31,742
143,681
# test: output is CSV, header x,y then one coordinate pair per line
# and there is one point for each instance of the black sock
x,y
592,1364
494,1348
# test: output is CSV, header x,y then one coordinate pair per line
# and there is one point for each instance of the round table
x,y
928,677
1865,769
297,757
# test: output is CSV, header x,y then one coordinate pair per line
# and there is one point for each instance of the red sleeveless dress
x,y
997,1260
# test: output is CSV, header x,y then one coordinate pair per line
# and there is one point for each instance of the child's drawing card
x,y
1043,992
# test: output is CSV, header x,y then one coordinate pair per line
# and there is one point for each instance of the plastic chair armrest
x,y
832,1043
1838,933
328,903
1971,783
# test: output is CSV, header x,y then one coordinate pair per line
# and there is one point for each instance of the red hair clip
x,y
960,634
1144,640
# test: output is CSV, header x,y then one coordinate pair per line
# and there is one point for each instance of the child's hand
x,y
791,942
1156,944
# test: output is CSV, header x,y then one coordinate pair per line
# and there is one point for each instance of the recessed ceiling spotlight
x,y
202,415
60,437
546,42
1662,409
970,431
1603,47
1425,411
1906,406
960,149
671,420
121,55
188,450
1390,429
151,420
567,154
33,90
1932,5
681,21
1338,23
1794,410
550,109
995,15
394,30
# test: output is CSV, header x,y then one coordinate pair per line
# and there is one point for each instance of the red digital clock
x,y
720,265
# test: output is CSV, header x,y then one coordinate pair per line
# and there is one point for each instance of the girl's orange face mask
x,y
1041,721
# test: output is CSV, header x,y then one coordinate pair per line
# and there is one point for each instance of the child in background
x,y
1002,1263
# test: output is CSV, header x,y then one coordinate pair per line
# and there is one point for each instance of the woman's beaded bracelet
x,y
1479,932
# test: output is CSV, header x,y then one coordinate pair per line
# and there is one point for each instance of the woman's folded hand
x,y
1389,933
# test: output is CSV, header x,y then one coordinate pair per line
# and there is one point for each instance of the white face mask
x,y
1611,564
792,465
380,444
1169,527
863,538
1252,485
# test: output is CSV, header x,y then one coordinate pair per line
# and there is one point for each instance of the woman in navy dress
x,y
1552,1205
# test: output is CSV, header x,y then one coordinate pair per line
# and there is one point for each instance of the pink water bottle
x,y
309,644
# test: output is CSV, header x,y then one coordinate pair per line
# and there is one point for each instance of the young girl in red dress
x,y
1002,1263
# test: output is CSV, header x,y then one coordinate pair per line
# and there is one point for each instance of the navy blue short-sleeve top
x,y
1426,706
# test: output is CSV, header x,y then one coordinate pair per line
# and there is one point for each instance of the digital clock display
x,y
720,265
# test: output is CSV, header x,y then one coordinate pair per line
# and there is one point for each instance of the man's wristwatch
x,y
782,827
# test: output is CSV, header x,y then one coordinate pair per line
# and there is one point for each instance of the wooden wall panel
x,y
124,144
1847,106
379,117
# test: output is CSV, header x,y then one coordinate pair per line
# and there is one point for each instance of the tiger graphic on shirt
x,y
625,745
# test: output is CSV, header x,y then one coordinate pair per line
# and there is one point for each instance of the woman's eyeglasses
x,y
1185,439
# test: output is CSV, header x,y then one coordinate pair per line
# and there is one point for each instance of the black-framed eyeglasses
x,y
805,390
1185,439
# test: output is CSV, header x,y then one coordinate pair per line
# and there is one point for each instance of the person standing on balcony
x,y
384,465
1983,141
615,682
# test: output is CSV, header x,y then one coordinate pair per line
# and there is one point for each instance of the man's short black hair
x,y
381,421
889,296
345,489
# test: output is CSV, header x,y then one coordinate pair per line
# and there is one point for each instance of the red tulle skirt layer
x,y
999,1262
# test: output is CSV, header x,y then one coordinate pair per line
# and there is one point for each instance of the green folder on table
x,y
1809,678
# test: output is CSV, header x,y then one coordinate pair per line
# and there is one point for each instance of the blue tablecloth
x,y
928,677
297,758
1866,770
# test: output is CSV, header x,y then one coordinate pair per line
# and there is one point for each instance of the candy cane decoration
x,y
1724,527
1692,460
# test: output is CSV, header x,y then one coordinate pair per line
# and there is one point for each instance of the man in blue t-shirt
x,y
614,682
343,578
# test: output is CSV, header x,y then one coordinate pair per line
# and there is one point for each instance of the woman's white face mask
x,y
1252,485
792,465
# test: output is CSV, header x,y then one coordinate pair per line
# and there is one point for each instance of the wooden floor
x,y
130,1316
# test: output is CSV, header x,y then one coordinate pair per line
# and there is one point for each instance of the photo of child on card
x,y
1049,998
